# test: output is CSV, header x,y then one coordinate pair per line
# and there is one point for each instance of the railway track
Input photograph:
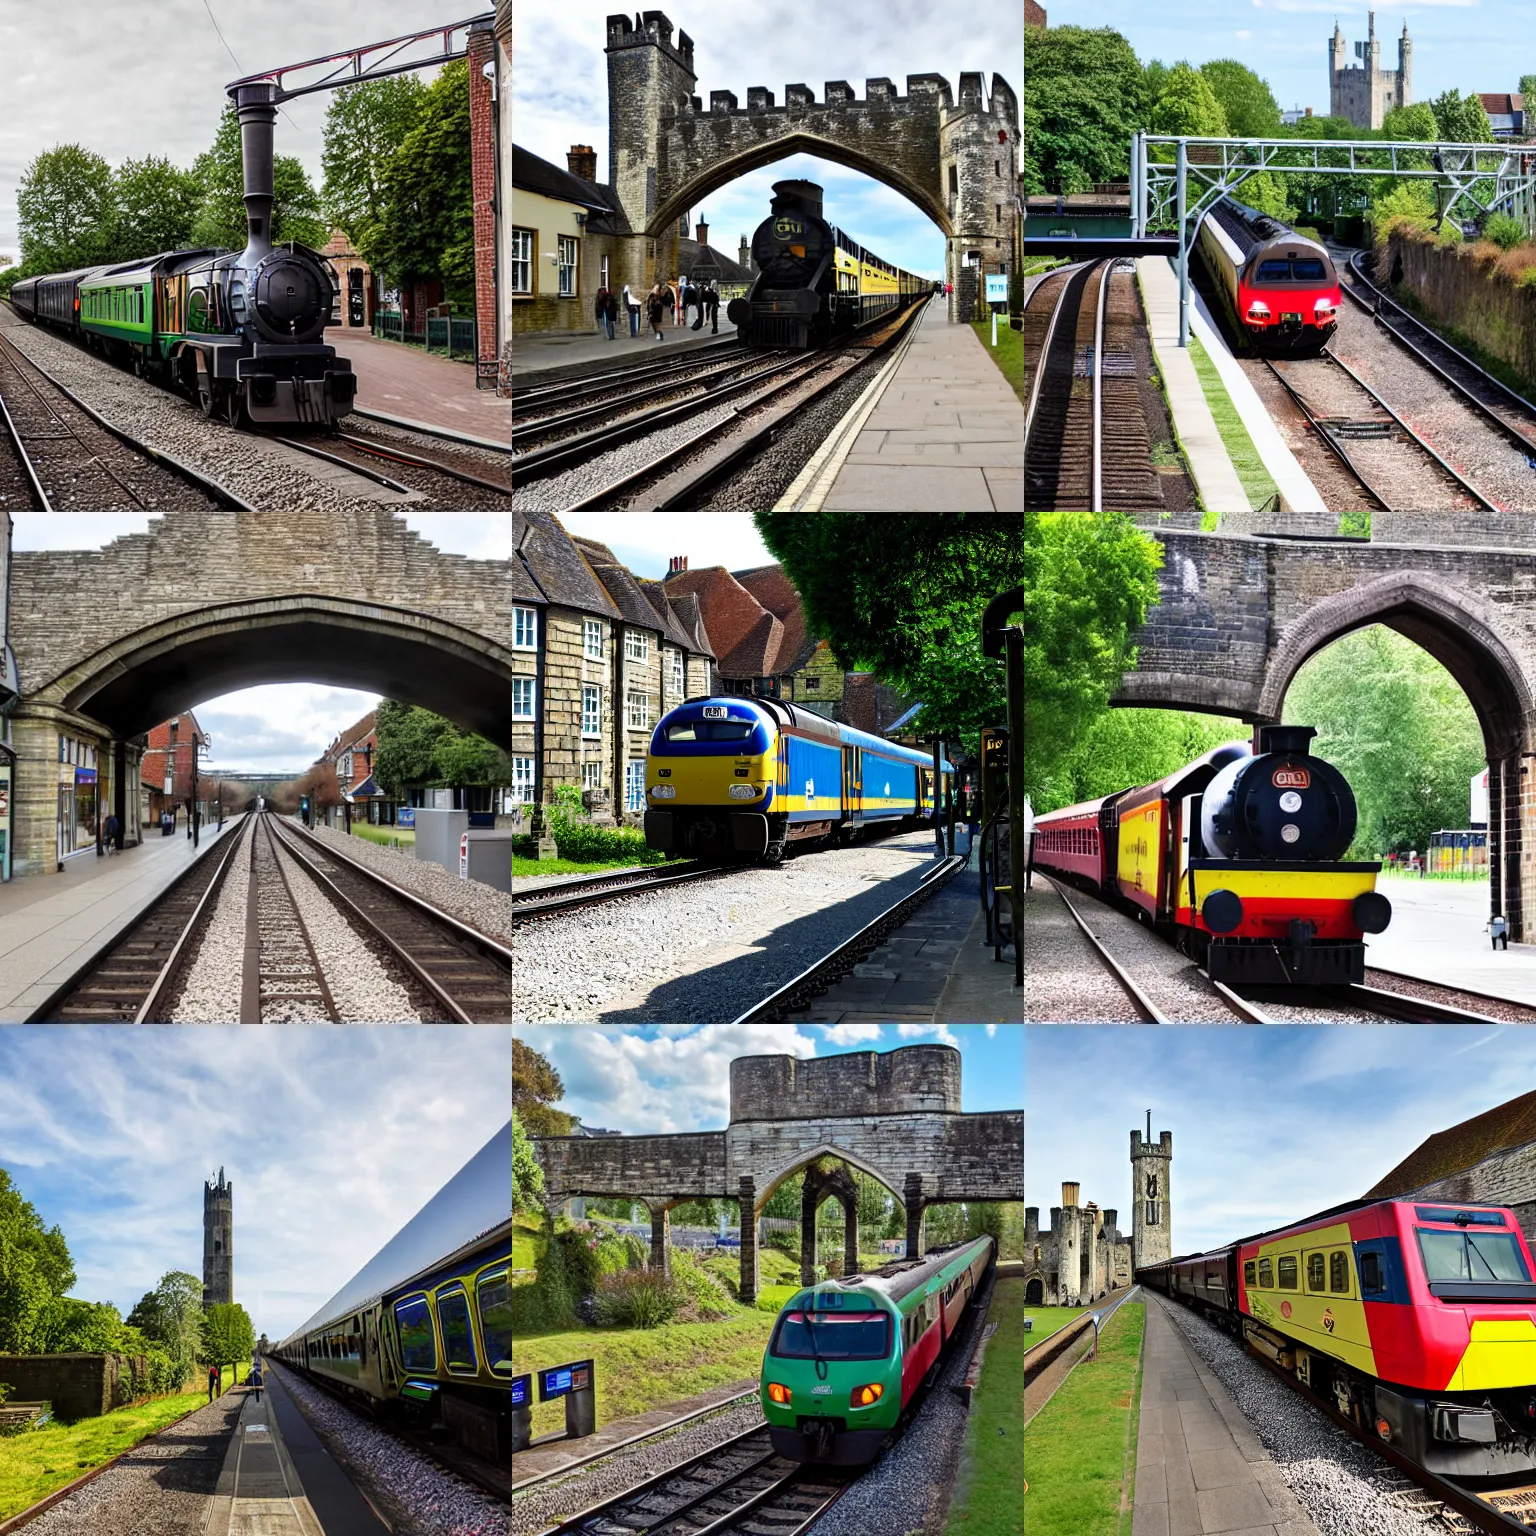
x,y
572,895
839,961
1149,1011
433,477
427,428
540,399
287,983
741,1486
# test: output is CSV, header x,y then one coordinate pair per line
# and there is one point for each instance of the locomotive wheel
x,y
234,409
205,402
774,853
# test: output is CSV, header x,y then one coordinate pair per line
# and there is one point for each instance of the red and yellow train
x,y
1238,858
1416,1318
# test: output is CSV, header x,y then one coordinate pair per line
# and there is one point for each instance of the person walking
x,y
255,1378
632,309
213,1382
712,301
655,308
109,833
606,310
1498,927
669,297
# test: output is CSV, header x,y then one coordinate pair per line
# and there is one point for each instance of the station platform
x,y
1200,1468
543,358
406,381
1438,933
51,924
938,430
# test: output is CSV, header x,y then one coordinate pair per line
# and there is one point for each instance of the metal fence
x,y
448,333
389,325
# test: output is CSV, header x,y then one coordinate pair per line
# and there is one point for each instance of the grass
x,y
386,837
1080,1449
771,1297
1257,485
1009,352
638,1369
988,1500
567,866
39,1461
1047,1320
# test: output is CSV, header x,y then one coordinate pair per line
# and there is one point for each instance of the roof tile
x,y
1461,1147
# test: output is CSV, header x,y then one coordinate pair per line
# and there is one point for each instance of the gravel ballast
x,y
1064,978
210,992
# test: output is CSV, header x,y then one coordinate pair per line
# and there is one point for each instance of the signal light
x,y
778,1394
862,1397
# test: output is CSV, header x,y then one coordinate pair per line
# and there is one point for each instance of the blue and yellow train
x,y
744,778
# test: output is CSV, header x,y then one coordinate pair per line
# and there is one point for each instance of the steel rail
x,y
325,998
529,906
1415,1010
467,438
847,953
1096,493
401,456
577,385
1327,439
41,496
1492,997
333,458
638,874
1045,346
1154,1015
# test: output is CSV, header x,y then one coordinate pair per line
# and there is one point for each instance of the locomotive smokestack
x,y
1286,738
257,109
804,195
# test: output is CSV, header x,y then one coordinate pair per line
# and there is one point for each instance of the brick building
x,y
358,296
504,196
1034,14
165,771
489,82
350,754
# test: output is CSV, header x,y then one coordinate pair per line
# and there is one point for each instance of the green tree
x,y
35,1272
1268,193
536,1089
1528,89
1086,97
155,205
1461,119
1188,105
84,1326
171,1316
464,758
220,178
903,594
1414,123
418,748
65,207
527,1176
365,125
1399,728
428,229
227,1334
1246,101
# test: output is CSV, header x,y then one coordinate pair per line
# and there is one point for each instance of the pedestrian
x,y
255,1379
712,300
1499,928
213,1382
655,308
110,833
632,309
602,305
673,299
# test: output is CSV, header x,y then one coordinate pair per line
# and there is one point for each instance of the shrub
x,y
706,1297
1504,230
637,1298
568,1272
581,842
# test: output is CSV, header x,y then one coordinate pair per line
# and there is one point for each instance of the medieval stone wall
x,y
80,1386
912,1079
1506,1178
687,1166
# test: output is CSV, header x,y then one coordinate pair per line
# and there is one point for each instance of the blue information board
x,y
561,1380
521,1386
997,288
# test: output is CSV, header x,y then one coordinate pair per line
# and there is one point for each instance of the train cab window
x,y
1373,1277
710,730
832,1335
1338,1272
1287,1267
417,1349
1307,269
1471,1256
493,1296
1316,1272
1250,1278
1266,1275
458,1336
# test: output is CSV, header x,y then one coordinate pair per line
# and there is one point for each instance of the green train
x,y
847,1358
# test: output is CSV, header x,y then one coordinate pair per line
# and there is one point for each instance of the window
x,y
637,645
1266,1275
836,1336
591,775
567,266
1250,1276
1338,1272
710,730
458,1336
1316,1269
525,629
522,780
634,785
679,679
493,1297
1154,1213
591,710
1287,1267
592,639
417,1350
522,261
637,711
522,698
1471,1256
1373,1278
603,281
813,685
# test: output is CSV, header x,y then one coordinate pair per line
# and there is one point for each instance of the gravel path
x,y
421,1498
707,952
160,1488
471,901
541,1506
1064,978
1345,1489
210,992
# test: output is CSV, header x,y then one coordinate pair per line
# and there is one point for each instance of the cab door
x,y
853,785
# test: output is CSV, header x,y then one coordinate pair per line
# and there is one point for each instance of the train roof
x,y
897,1280
472,1205
1252,231
776,713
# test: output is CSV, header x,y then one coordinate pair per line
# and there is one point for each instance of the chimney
x,y
703,234
745,258
677,565
582,160
1069,1196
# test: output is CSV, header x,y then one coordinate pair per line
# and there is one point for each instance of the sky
x,y
1269,1125
97,73
276,727
646,541
1465,45
333,1139
560,93
658,1079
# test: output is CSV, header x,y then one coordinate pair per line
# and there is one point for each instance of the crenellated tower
x,y
1151,1197
218,1242
978,169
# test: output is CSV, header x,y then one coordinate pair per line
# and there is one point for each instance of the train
x,y
423,1332
814,281
1413,1317
1238,858
737,778
1279,288
847,1358
239,332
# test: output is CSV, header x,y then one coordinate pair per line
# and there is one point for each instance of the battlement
x,y
650,29
915,1079
220,1193
1164,1148
838,97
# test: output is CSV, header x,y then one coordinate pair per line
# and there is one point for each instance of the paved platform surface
x,y
1200,1468
1209,462
1439,933
426,387
591,350
945,435
50,924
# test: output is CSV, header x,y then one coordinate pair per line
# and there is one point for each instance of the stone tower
x,y
218,1242
648,74
978,168
1068,1222
1151,1197
1367,94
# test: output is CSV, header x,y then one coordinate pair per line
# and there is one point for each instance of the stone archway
x,y
1034,1291
826,1183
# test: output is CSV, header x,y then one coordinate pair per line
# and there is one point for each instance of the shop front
x,y
79,813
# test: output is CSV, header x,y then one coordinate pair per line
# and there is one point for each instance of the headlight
x,y
778,1394
663,792
862,1397
1258,310
743,792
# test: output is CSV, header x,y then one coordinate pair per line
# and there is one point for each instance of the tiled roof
x,y
1461,1147
685,608
730,611
1501,103
559,572
535,175
731,270
656,596
774,590
621,586
756,654
870,705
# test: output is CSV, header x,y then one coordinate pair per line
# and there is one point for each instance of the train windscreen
x,y
842,1336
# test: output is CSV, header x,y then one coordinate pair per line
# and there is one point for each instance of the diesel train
x,y
1238,858
1413,1317
847,1357
1278,288
745,778
424,1330
815,282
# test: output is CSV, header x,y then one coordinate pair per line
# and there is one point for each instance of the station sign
x,y
997,288
405,816
522,1386
562,1380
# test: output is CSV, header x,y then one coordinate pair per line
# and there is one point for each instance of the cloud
x,y
277,726
646,544
1243,35
849,1034
940,1032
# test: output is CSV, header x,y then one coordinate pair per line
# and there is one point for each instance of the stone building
x,y
218,1242
1489,1159
1079,1257
1366,94
1151,1197
731,278
357,295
